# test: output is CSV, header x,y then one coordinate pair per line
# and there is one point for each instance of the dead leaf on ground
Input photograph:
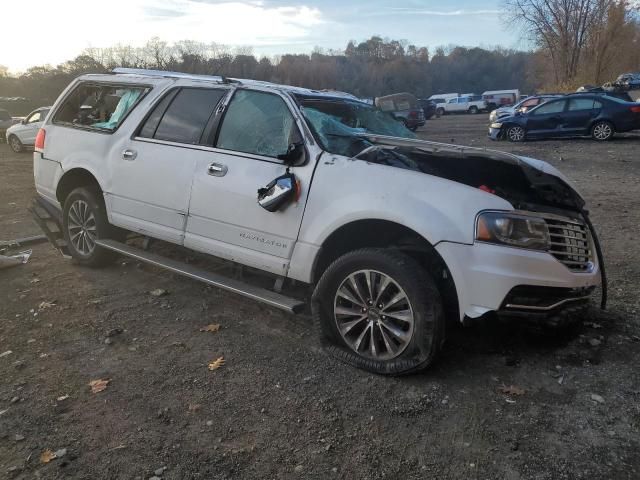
x,y
216,364
214,327
45,305
47,456
512,390
159,292
98,385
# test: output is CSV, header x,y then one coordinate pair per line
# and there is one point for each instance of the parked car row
x,y
597,115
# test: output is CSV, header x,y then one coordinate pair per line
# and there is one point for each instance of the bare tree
x,y
561,28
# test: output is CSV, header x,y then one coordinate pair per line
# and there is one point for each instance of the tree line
x,y
575,42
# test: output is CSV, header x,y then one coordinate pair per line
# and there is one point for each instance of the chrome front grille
x,y
570,243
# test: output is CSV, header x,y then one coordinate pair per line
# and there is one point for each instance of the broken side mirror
x,y
294,155
280,192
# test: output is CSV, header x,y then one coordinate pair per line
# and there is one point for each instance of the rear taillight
x,y
39,145
413,114
635,109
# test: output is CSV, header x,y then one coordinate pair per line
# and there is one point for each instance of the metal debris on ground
x,y
14,260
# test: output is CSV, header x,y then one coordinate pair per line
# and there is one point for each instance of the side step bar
x,y
268,297
49,219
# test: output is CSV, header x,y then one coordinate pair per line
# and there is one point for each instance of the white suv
x,y
23,134
393,235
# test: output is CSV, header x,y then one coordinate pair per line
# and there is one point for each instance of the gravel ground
x,y
280,408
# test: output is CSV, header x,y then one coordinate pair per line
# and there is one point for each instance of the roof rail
x,y
165,74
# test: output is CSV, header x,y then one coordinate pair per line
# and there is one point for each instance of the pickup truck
x,y
385,236
471,105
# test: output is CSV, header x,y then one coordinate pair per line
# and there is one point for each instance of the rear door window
x,y
580,104
258,123
550,107
99,106
186,117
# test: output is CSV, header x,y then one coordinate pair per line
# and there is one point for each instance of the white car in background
x,y
23,134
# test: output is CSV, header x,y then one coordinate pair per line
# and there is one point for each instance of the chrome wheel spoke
x,y
344,293
372,342
346,327
395,331
352,312
402,315
383,287
356,288
358,341
396,298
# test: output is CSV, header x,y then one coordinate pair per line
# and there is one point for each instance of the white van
x,y
501,98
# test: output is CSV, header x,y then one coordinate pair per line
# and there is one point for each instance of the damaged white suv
x,y
394,235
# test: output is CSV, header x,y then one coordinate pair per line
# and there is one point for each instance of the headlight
x,y
496,125
514,230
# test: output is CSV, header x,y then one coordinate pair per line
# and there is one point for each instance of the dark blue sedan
x,y
579,115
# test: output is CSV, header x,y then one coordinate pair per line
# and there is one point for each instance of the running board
x,y
268,297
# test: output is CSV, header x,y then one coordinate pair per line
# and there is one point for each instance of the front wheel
x,y
515,133
602,131
84,221
379,310
440,112
473,110
15,144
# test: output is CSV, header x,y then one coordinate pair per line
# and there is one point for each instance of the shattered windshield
x,y
339,125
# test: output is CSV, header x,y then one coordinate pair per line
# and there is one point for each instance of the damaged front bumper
x,y
515,282
495,133
49,218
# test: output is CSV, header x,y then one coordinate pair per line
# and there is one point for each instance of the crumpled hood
x,y
524,182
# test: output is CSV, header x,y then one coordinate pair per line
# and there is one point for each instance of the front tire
x,y
16,144
515,133
602,131
473,110
84,221
380,311
440,112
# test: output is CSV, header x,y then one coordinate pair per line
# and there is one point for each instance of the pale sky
x,y
52,31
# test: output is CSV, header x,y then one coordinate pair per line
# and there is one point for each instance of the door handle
x,y
129,155
217,170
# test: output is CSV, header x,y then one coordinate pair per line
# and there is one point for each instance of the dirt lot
x,y
280,408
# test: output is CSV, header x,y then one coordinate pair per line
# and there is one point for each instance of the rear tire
x,y
16,144
602,131
84,219
379,310
440,112
473,110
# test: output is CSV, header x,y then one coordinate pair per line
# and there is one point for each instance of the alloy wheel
x,y
82,227
602,131
515,134
373,315
15,144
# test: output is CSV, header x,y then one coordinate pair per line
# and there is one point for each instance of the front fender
x,y
346,190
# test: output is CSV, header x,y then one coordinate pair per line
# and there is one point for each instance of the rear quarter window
x,y
101,107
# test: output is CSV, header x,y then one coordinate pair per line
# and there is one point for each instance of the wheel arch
x,y
74,178
376,233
